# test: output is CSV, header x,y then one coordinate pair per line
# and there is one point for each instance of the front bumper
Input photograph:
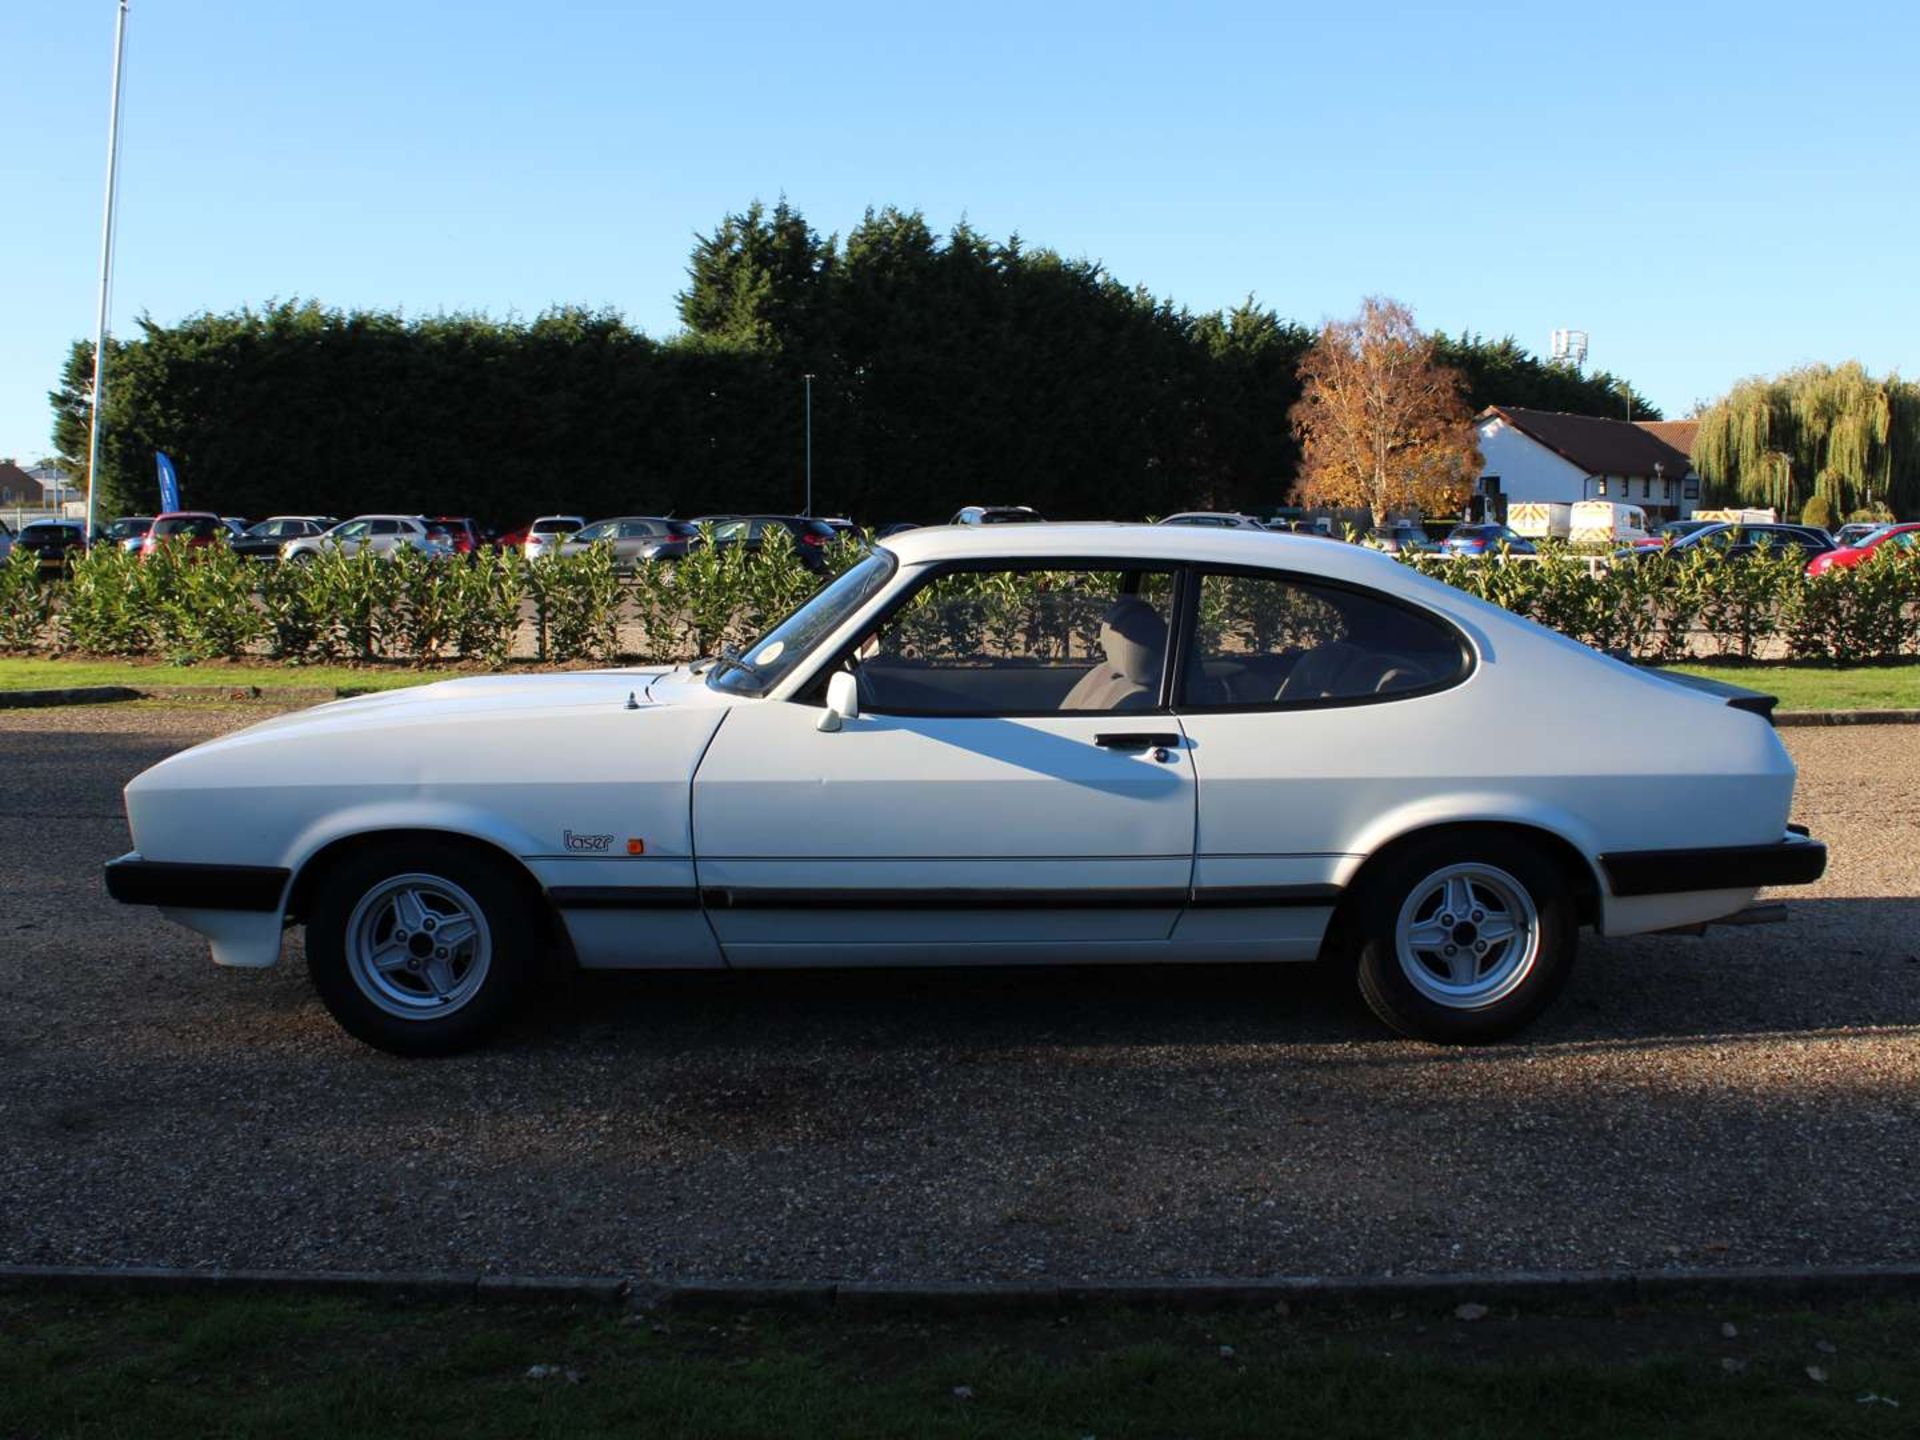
x,y
133,880
1795,859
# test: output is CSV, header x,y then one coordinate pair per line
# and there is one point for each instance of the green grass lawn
x,y
36,674
162,1368
1818,687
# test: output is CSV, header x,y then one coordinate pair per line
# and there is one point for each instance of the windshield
x,y
763,664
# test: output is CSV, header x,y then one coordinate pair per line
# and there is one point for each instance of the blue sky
x,y
1711,190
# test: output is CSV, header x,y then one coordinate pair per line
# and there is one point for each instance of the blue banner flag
x,y
169,483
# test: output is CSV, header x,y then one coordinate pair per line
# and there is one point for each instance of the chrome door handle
x,y
1138,740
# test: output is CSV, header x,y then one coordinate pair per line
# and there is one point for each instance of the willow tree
x,y
1381,422
1819,430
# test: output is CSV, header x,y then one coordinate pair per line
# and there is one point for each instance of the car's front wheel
x,y
1465,939
422,947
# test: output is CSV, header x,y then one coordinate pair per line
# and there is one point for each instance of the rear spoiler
x,y
1738,697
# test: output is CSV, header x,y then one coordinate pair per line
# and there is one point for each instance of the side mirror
x,y
843,702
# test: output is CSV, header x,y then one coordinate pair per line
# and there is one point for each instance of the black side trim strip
x,y
757,898
1799,860
625,897
134,881
1165,898
1229,897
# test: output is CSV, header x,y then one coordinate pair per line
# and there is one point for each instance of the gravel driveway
x,y
1748,1098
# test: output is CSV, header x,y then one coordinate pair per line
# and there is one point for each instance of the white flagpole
x,y
106,272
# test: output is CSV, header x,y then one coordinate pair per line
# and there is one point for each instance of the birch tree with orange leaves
x,y
1381,422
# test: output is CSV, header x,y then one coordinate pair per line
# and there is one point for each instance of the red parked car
x,y
195,529
462,532
1894,537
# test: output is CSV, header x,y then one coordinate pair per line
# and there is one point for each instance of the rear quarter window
x,y
1270,641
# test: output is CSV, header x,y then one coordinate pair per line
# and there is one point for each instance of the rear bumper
x,y
1795,859
133,880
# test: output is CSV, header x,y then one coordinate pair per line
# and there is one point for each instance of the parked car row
x,y
642,539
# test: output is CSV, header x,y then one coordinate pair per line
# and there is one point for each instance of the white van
x,y
1607,522
1541,519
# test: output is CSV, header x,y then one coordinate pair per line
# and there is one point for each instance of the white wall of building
x,y
1528,470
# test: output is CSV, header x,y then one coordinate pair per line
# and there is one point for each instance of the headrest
x,y
1132,635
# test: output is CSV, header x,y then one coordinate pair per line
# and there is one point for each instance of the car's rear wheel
x,y
1465,939
422,947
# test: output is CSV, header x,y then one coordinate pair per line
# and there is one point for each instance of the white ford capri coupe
x,y
1002,745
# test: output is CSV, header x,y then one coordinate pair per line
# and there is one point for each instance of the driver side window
x,y
1022,642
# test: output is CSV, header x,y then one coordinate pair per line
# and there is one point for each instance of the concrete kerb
x,y
1537,1291
1846,717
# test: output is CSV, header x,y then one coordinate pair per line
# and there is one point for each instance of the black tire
x,y
1395,997
501,894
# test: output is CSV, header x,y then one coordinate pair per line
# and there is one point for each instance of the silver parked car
x,y
635,539
1404,538
1213,520
996,515
381,534
546,535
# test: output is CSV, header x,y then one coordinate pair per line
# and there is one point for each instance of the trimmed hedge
x,y
207,604
1671,606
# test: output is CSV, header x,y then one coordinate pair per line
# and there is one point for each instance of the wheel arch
x,y
307,874
1583,879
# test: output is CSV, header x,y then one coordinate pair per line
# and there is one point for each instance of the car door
x,y
580,541
636,536
351,536
1013,790
1302,704
383,537
729,532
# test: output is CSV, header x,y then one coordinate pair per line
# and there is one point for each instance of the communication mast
x,y
1569,347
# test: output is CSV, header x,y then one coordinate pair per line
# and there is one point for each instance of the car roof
x,y
1173,544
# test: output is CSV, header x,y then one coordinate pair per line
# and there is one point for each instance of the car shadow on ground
x,y
1835,964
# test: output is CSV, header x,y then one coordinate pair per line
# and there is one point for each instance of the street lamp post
x,y
808,510
106,273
